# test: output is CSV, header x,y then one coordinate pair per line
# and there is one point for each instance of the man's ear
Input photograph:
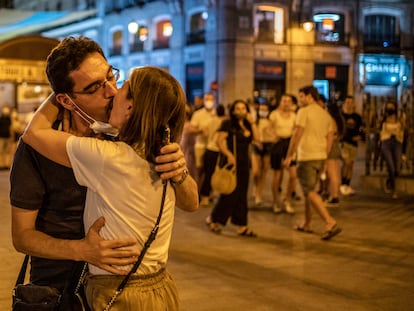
x,y
65,101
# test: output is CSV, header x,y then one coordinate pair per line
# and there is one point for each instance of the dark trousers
x,y
233,205
391,151
209,160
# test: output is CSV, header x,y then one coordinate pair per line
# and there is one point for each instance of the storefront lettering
x,y
269,69
382,68
13,70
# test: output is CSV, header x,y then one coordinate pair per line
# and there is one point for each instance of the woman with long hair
x,y
241,129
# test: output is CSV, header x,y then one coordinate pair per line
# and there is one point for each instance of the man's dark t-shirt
x,y
40,184
353,124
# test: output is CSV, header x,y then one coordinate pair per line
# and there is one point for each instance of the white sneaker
x,y
350,190
276,208
343,189
346,190
288,208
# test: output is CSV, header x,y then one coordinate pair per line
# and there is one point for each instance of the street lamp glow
x,y
308,26
132,27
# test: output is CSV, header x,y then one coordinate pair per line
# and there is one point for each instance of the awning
x,y
15,22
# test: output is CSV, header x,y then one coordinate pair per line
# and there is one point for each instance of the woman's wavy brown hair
x,y
158,101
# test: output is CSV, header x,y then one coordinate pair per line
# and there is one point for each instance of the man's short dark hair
x,y
67,57
310,90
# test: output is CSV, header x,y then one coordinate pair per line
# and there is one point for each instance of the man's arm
x,y
93,249
294,142
171,164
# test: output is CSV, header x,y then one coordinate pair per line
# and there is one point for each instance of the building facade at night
x,y
246,48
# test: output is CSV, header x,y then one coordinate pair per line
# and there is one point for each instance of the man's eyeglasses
x,y
112,76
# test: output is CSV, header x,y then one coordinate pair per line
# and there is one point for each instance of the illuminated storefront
x,y
23,80
384,75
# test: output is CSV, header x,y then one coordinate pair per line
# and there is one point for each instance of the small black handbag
x,y
33,297
30,297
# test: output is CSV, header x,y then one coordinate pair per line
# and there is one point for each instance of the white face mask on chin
x,y
98,127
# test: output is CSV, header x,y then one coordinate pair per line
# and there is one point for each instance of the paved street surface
x,y
369,266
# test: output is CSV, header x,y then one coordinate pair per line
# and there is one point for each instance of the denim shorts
x,y
309,173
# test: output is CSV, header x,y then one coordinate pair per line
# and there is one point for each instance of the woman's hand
x,y
171,164
231,160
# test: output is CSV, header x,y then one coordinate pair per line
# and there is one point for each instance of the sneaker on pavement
x,y
351,191
346,190
343,189
276,208
288,208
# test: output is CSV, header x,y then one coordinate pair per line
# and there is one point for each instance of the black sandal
x,y
303,229
247,233
328,234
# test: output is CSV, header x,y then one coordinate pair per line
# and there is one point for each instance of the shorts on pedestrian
x,y
335,152
348,152
279,152
155,292
309,173
264,151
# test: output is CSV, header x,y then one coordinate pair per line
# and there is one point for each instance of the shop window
x,y
116,48
269,24
197,28
381,31
163,30
138,35
330,28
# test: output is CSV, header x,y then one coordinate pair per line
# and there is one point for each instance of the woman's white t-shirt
x,y
123,188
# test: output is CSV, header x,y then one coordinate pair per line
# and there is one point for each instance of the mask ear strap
x,y
80,112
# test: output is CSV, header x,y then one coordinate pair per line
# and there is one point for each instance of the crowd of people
x,y
91,168
269,129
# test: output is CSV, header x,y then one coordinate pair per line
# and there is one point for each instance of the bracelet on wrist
x,y
182,179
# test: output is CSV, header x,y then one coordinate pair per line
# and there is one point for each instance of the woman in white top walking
x,y
392,135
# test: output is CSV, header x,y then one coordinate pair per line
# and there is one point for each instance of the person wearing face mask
x,y
199,122
241,129
47,202
391,137
123,185
261,152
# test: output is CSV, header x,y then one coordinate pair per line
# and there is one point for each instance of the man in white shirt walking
x,y
311,141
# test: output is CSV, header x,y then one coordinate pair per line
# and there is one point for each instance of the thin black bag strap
x,y
235,150
147,244
22,273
